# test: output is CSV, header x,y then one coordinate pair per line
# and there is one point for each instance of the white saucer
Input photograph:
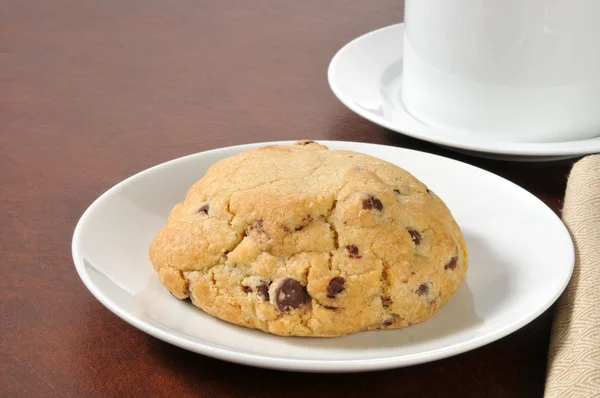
x,y
366,75
520,260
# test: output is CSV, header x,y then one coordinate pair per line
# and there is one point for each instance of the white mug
x,y
519,70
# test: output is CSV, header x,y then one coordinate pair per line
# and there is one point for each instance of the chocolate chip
x,y
390,321
372,203
387,301
353,251
416,237
263,290
305,221
397,191
377,204
204,208
422,289
258,227
285,229
304,142
258,285
336,285
451,264
290,294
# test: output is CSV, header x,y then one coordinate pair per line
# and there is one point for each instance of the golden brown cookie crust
x,y
306,241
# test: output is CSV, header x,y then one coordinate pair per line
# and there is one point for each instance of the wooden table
x,y
92,91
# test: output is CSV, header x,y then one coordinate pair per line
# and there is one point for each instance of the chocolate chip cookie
x,y
301,240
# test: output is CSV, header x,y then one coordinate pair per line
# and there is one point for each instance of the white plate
x,y
366,75
521,258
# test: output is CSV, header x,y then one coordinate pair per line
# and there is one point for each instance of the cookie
x,y
301,240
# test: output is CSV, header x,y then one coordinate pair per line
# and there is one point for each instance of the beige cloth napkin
x,y
574,356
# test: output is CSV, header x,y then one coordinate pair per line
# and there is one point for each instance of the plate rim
x,y
496,147
299,364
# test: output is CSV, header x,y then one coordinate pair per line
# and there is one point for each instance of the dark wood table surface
x,y
92,91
